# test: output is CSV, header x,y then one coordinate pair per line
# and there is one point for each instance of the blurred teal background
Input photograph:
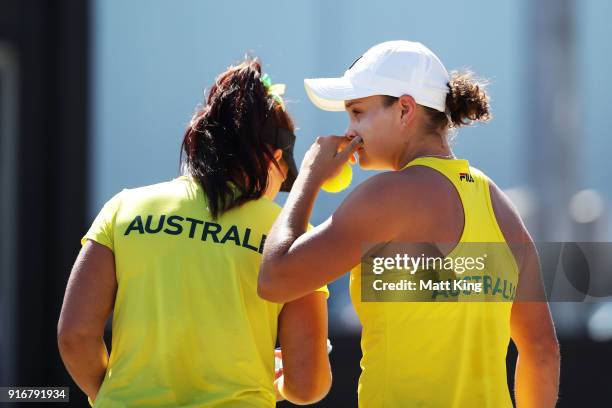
x,y
153,60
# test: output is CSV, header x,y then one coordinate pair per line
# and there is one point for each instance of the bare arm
x,y
302,333
532,330
296,262
531,326
88,302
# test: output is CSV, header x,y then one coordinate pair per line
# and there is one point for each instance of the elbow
x,y
267,287
550,350
544,353
71,340
264,292
68,341
311,392
553,355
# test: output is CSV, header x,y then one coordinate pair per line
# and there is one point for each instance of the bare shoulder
x,y
391,191
507,215
408,203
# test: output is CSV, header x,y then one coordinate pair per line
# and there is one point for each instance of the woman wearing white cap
x,y
447,351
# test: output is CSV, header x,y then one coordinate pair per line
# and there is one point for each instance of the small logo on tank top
x,y
466,177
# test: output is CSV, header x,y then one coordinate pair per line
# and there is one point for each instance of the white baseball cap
x,y
393,68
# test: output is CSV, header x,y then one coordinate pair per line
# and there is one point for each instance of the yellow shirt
x,y
188,327
448,350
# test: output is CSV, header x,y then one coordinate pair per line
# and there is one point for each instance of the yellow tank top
x,y
188,327
448,351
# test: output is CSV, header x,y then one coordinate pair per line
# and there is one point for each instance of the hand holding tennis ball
x,y
326,162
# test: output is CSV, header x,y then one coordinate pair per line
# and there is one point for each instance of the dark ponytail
x,y
222,145
466,101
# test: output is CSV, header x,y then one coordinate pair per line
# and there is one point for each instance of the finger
x,y
342,144
331,139
348,136
330,144
350,148
337,137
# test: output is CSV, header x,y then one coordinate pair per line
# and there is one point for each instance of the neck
x,y
443,152
270,194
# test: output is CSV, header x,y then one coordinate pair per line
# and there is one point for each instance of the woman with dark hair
x,y
177,264
433,336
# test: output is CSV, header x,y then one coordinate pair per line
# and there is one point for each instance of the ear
x,y
407,105
278,155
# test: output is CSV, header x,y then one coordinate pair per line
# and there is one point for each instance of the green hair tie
x,y
274,90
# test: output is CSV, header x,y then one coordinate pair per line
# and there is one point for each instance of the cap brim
x,y
330,93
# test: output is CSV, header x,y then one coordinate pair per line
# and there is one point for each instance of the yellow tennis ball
x,y
340,182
